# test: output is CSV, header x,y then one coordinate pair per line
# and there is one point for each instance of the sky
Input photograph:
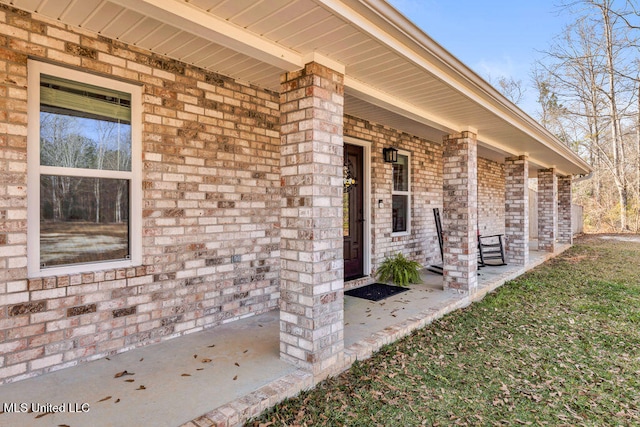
x,y
492,37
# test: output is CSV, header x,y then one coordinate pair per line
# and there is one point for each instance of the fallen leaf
x,y
185,375
129,381
206,360
195,356
237,364
245,351
42,415
141,388
199,369
105,398
211,346
142,359
123,373
107,358
235,378
117,401
63,425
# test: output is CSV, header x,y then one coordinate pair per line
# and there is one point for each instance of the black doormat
x,y
375,291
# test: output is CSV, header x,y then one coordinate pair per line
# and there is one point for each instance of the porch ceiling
x,y
394,73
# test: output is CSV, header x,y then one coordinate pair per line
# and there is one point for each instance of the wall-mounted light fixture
x,y
390,155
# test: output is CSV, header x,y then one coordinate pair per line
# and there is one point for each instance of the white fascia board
x,y
324,60
442,73
509,152
388,102
200,23
447,68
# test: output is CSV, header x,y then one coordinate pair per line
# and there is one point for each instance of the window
x,y
84,166
401,194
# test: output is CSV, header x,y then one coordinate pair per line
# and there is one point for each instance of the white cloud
x,y
494,69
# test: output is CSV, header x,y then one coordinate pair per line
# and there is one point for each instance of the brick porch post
x,y
460,211
311,285
565,219
547,209
516,170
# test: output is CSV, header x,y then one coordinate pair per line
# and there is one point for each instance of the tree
x,y
83,143
62,145
553,113
511,88
589,96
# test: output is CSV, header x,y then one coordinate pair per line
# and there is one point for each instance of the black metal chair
x,y
490,248
437,268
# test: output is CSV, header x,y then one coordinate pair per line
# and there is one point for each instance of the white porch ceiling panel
x,y
395,74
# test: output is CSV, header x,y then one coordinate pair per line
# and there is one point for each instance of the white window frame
x,y
407,193
34,170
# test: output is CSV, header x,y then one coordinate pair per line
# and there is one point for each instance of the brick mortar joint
x,y
83,279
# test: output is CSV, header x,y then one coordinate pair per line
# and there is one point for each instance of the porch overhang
x,y
394,73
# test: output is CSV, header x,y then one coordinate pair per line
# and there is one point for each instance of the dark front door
x,y
353,215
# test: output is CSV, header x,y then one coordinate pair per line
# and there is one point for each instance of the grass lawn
x,y
558,346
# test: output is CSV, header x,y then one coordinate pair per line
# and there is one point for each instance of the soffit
x,y
492,151
394,74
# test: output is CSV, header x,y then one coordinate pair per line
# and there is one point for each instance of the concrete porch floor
x,y
227,374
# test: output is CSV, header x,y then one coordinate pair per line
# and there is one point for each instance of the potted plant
x,y
399,270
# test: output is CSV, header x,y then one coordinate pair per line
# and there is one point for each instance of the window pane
x,y
83,220
400,204
83,126
401,174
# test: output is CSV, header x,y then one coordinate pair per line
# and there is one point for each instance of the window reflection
x,y
83,219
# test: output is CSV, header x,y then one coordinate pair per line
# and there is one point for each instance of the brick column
x,y
460,212
547,209
565,226
516,209
311,284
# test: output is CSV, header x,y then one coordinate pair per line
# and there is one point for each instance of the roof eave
x,y
460,77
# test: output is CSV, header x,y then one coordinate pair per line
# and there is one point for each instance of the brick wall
x,y
312,305
517,210
211,208
211,180
460,211
565,218
547,209
426,192
491,193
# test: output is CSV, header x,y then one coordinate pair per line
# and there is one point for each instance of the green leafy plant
x,y
399,270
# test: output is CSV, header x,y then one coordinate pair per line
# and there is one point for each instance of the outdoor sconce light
x,y
390,155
